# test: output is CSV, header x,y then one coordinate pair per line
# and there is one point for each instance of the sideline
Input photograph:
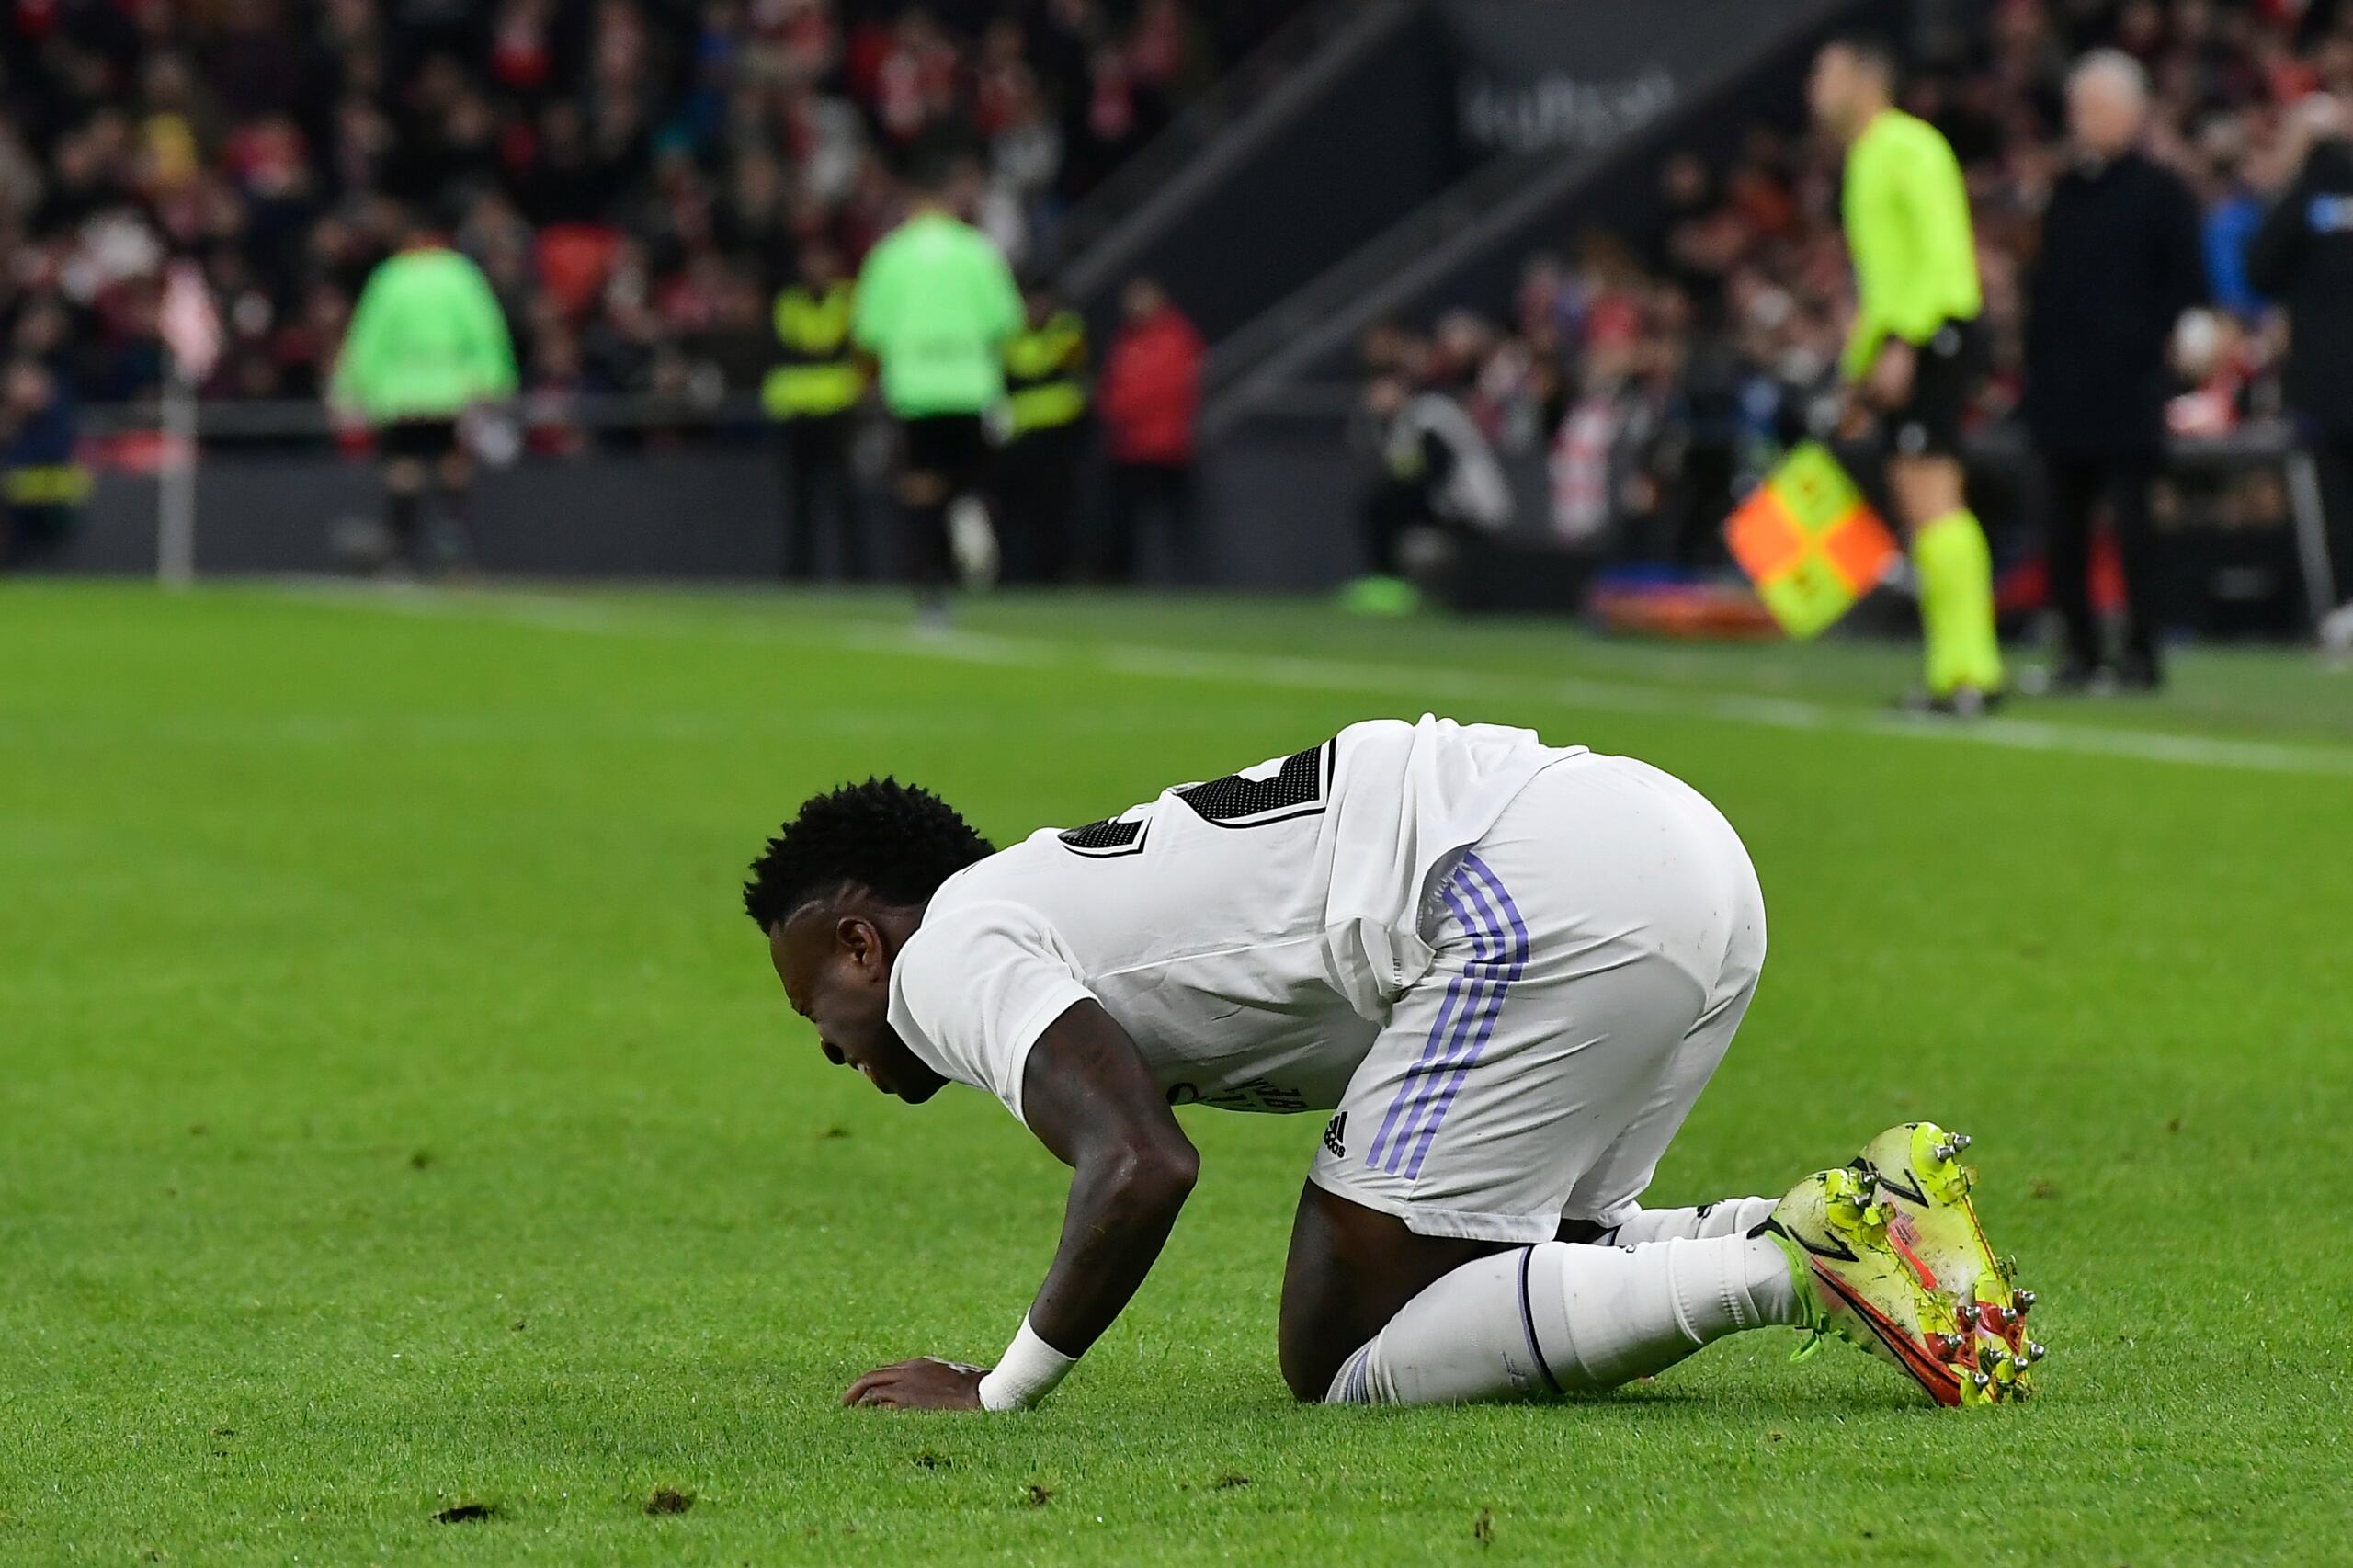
x,y
1148,661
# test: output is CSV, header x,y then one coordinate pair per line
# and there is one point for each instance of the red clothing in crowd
x,y
1151,388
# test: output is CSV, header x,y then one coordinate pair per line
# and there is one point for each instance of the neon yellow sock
x,y
1956,573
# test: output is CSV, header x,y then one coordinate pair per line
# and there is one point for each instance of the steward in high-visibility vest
x,y
43,483
812,394
1045,436
1045,374
818,375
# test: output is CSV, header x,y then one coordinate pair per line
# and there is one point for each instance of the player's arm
x,y
2183,253
1879,248
1089,1096
1091,1101
2275,253
1003,296
870,303
491,345
355,367
1937,196
498,342
1911,231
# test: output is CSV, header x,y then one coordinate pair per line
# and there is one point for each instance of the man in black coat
x,y
2121,263
2303,256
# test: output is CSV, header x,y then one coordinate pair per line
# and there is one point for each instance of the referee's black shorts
x,y
427,440
951,447
1946,371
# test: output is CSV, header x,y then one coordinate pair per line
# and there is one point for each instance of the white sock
x,y
1558,1317
1725,1217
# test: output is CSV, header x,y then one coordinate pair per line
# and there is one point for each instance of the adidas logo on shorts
x,y
1334,1131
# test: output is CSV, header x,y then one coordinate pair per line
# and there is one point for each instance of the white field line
x,y
492,728
1451,683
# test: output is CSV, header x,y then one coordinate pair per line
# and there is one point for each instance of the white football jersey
x,y
1249,933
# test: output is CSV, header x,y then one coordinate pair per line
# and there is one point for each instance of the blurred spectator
x,y
1438,474
1045,380
427,343
264,137
43,483
812,394
1149,398
2303,256
2233,212
2120,266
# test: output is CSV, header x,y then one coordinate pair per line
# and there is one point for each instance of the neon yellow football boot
x,y
1852,1281
1922,1181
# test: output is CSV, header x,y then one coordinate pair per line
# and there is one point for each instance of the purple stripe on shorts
x,y
1480,971
1517,966
1445,1017
1464,993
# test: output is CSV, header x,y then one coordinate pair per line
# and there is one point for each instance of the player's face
x,y
837,974
1829,90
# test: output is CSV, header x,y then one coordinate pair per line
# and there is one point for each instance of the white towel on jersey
x,y
1251,934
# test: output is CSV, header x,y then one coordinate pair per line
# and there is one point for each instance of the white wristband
x,y
1026,1373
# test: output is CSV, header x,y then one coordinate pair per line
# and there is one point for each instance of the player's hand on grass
x,y
924,1383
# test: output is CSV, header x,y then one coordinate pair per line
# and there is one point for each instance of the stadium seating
x,y
634,175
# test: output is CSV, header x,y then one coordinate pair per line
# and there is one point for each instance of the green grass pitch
x,y
397,1114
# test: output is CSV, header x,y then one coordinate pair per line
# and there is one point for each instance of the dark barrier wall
x,y
1276,512
1378,142
707,513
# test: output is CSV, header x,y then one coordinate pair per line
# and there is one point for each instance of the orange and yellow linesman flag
x,y
1809,542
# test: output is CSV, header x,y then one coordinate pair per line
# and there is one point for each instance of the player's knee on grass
x,y
1350,1270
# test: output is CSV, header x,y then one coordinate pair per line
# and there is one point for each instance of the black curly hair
x,y
897,841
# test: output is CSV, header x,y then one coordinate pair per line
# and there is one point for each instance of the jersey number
x,y
1297,789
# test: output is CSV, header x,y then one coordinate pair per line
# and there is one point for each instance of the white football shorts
x,y
1595,952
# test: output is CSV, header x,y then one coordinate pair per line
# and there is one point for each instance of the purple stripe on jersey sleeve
x,y
1464,993
1516,964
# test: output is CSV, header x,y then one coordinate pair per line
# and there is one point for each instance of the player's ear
x,y
859,941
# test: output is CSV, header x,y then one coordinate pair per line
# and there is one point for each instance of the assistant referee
x,y
1914,353
936,303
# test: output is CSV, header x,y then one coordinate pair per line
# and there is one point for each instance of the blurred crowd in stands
x,y
1665,369
636,177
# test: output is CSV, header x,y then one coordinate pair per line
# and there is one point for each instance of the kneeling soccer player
x,y
1509,969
